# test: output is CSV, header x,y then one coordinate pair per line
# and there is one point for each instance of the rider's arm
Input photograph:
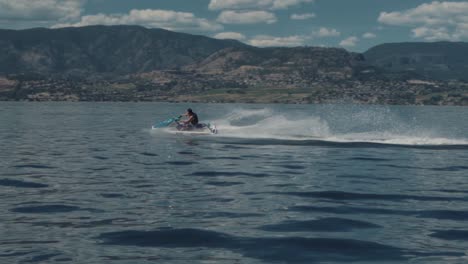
x,y
188,120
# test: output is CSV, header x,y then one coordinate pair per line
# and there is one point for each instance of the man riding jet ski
x,y
191,125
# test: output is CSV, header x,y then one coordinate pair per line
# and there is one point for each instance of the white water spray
x,y
266,124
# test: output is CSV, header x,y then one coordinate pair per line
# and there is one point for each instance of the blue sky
x,y
352,24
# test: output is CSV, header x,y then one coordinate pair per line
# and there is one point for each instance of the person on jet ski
x,y
192,121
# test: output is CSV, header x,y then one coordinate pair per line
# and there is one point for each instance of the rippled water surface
x,y
91,183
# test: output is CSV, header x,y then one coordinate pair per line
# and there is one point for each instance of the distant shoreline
x,y
413,92
231,102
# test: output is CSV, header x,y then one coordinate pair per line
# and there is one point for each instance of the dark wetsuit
x,y
191,125
194,121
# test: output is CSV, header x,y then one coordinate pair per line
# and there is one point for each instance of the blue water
x,y
91,183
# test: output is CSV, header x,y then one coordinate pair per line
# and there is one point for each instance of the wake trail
x,y
265,124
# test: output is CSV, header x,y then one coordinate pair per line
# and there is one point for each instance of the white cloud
x,y
254,4
369,35
40,10
432,21
284,4
302,16
349,42
461,32
230,35
272,41
152,18
431,34
237,4
246,17
324,32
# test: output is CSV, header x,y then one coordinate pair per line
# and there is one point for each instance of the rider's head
x,y
189,111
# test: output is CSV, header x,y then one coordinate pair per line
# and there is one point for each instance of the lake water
x,y
91,183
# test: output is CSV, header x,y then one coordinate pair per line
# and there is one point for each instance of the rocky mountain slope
x,y
437,60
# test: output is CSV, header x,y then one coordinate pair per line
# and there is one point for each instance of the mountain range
x,y
102,49
158,64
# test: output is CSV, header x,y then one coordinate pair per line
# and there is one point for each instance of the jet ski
x,y
201,128
173,125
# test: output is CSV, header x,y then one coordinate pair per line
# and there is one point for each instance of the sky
x,y
355,25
